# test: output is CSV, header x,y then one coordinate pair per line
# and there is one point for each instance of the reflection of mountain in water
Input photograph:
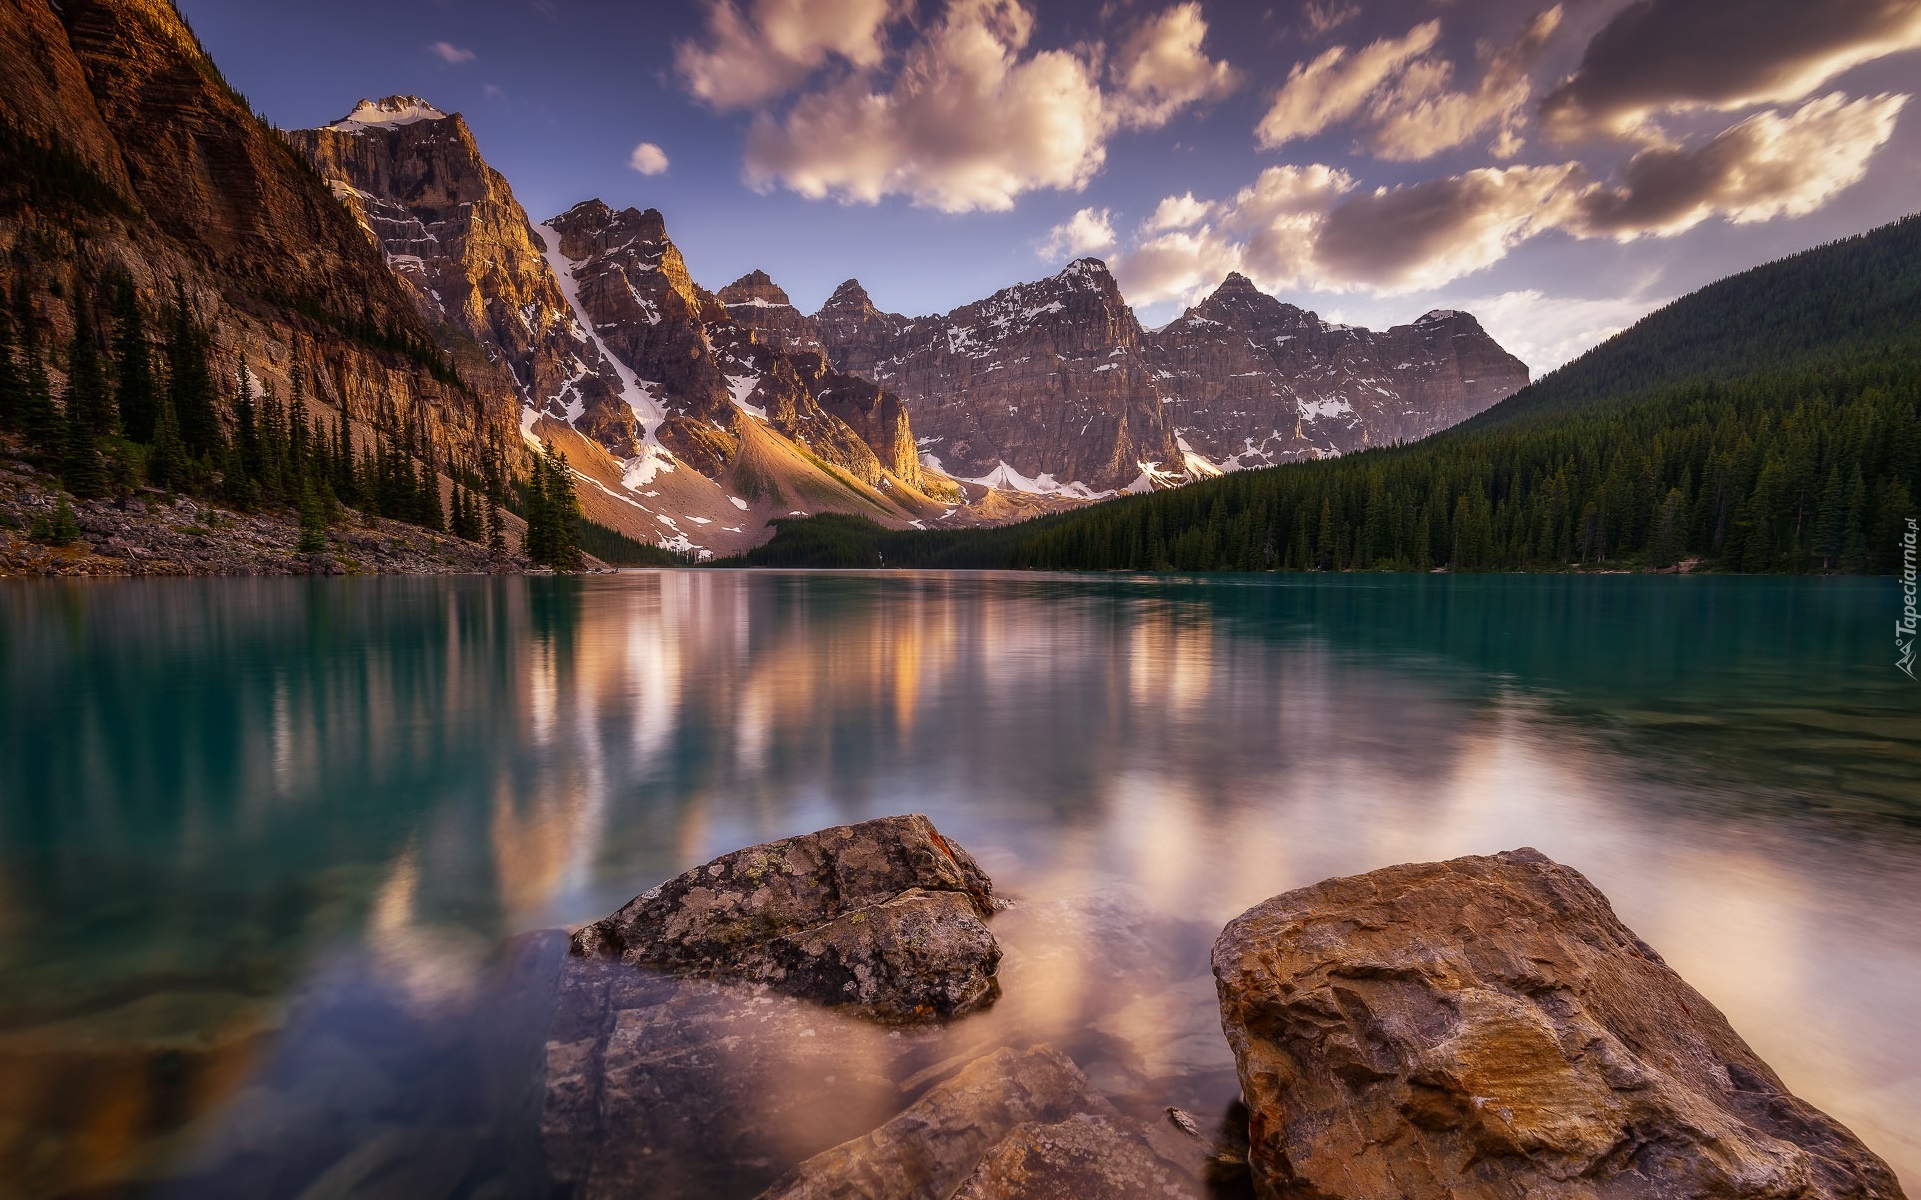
x,y
251,826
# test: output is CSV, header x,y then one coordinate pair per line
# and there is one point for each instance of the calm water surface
x,y
268,848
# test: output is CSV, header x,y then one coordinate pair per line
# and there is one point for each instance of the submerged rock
x,y
1012,1123
1487,1027
883,917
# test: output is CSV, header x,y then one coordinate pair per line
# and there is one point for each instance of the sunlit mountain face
x,y
1557,170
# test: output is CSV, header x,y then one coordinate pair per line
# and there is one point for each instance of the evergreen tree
x,y
12,385
236,486
40,417
313,523
190,381
81,471
167,461
89,398
246,429
137,392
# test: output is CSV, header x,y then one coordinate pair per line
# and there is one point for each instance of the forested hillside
x,y
1768,423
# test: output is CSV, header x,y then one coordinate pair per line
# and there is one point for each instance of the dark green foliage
x,y
236,486
167,465
840,540
89,398
62,529
313,523
81,471
12,383
40,418
137,391
1826,307
616,549
190,381
364,329
553,513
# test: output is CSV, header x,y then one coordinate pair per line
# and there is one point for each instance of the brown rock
x,y
1487,1027
1086,1157
933,1146
883,917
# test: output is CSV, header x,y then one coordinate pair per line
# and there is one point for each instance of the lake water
x,y
267,847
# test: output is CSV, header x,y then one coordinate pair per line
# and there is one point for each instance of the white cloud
x,y
1177,212
1421,117
1767,166
970,122
1161,69
451,54
1336,85
648,159
1320,17
770,47
1089,231
1547,331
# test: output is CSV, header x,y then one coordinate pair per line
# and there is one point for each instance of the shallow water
x,y
265,846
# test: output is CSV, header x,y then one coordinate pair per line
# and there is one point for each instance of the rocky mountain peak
x,y
754,290
1240,305
849,298
389,113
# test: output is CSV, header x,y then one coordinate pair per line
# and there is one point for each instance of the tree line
x,y
147,406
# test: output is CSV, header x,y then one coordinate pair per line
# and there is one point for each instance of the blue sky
x,y
1556,169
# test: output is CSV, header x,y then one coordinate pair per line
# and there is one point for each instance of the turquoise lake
x,y
271,850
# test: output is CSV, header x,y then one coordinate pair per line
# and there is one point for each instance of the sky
x,y
1558,170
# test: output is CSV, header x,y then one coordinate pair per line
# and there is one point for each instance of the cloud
x,y
770,47
451,54
1268,230
1177,212
648,159
1659,56
1421,117
1336,85
1089,231
1426,234
1321,17
1161,69
1402,99
1767,166
1547,331
970,122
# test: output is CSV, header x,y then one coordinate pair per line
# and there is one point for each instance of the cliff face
x,y
757,302
1251,381
191,189
709,371
1055,386
1041,386
449,227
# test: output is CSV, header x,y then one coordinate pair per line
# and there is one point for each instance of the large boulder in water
x,y
1487,1027
883,917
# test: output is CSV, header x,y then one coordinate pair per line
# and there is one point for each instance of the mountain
x,y
1041,386
129,156
449,227
1054,386
684,426
1770,422
1251,381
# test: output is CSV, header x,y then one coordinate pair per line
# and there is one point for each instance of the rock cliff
x,y
1250,381
165,174
1054,386
1486,1027
449,227
1040,387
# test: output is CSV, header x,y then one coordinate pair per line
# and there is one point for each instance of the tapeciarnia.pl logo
x,y
1904,629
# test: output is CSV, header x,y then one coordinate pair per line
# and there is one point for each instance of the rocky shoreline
x,y
1479,1027
150,533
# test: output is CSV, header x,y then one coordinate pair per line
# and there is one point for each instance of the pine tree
x,y
313,523
40,417
190,381
246,428
236,486
88,394
137,392
167,461
12,384
81,471
496,529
